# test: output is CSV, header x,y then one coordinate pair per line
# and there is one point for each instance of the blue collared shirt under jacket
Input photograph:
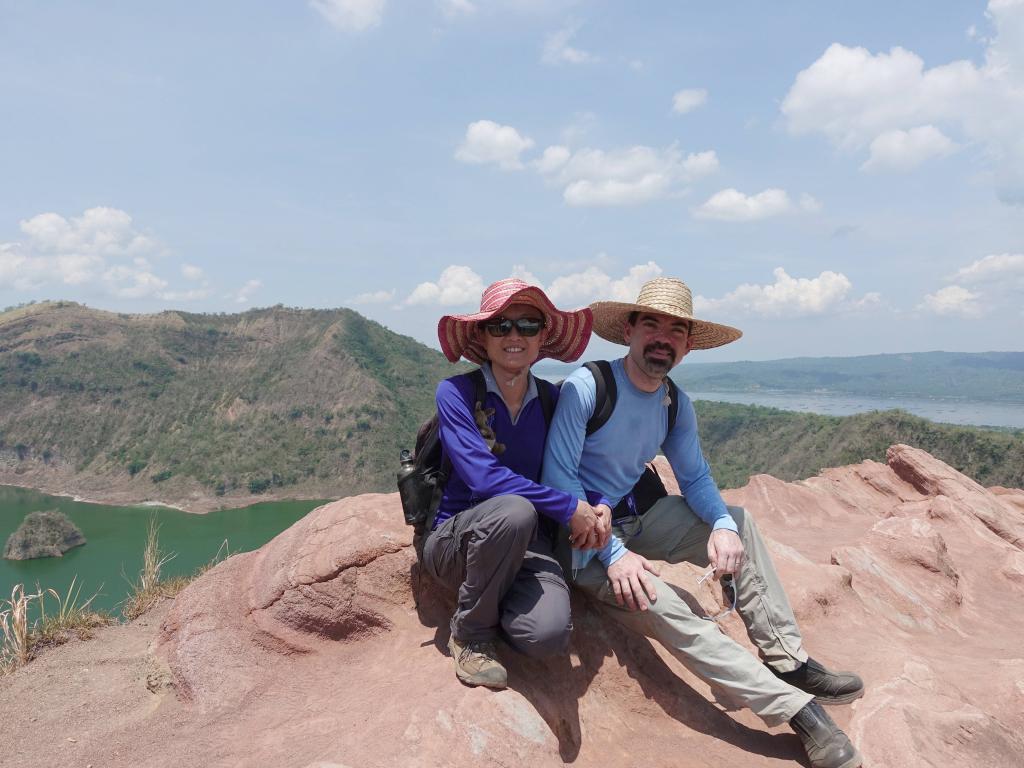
x,y
610,461
477,474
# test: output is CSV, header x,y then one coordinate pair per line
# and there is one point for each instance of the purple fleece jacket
x,y
477,474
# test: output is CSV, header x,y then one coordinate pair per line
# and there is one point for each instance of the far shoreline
x,y
202,505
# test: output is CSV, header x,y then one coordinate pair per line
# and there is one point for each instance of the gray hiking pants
x,y
506,578
672,532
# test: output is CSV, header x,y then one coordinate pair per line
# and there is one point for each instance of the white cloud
x,y
101,248
350,15
789,296
952,300
244,294
622,177
554,157
994,267
853,97
809,204
373,297
688,100
133,282
732,205
191,272
558,51
594,284
489,142
456,285
700,164
902,150
520,271
455,8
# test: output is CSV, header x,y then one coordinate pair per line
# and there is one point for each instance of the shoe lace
x,y
483,648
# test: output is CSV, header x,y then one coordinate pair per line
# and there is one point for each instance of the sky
x,y
832,178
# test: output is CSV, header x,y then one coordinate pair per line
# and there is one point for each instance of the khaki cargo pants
x,y
672,532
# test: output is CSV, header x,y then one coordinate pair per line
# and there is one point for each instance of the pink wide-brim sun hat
x,y
567,331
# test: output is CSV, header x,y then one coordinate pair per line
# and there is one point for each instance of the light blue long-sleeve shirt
x,y
610,461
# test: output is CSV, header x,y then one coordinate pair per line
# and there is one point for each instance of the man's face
x,y
657,342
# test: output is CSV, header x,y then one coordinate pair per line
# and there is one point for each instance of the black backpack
x,y
648,488
425,471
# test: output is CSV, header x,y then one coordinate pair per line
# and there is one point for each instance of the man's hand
x,y
725,552
630,582
586,527
604,522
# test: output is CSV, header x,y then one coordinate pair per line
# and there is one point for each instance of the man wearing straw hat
x,y
660,330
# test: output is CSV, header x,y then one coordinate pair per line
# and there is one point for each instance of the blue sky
x,y
834,179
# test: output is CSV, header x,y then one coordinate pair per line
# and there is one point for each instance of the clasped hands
x,y
590,527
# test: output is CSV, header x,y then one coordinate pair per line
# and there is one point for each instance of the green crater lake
x,y
115,538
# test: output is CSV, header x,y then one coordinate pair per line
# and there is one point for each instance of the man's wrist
x,y
725,523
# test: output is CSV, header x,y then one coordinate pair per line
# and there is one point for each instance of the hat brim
x,y
610,322
568,332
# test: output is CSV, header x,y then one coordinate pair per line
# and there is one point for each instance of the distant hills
x,y
985,376
191,407
743,440
209,410
988,376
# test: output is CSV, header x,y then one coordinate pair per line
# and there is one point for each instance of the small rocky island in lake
x,y
43,534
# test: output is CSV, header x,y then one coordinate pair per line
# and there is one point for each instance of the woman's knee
x,y
542,636
515,513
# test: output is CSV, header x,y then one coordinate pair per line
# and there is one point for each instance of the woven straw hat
x,y
663,296
567,332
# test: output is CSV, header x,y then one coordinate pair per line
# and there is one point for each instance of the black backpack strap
x,y
480,386
673,404
606,395
546,404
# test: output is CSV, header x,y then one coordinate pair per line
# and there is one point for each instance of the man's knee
x,y
740,516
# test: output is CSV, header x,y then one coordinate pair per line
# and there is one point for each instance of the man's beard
x,y
655,365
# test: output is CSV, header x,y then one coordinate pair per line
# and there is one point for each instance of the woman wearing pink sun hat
x,y
493,536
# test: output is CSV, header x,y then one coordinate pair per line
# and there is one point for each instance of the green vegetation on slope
x,y
743,440
320,401
993,376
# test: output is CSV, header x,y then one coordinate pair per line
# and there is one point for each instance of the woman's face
x,y
514,352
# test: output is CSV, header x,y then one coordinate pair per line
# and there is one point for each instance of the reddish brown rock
x,y
312,652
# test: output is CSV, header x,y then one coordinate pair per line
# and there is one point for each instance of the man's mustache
x,y
658,346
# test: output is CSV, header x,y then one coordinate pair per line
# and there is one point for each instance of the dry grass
x,y
149,588
72,618
16,646
22,641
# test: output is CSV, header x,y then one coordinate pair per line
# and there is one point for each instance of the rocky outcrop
x,y
324,649
43,534
314,647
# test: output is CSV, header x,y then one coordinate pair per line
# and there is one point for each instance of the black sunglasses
x,y
502,326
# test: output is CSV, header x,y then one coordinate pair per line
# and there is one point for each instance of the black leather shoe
x,y
828,687
826,746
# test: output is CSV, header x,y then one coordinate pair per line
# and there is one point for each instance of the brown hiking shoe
x,y
476,663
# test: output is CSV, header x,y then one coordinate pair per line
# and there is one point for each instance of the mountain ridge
x,y
204,411
212,408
